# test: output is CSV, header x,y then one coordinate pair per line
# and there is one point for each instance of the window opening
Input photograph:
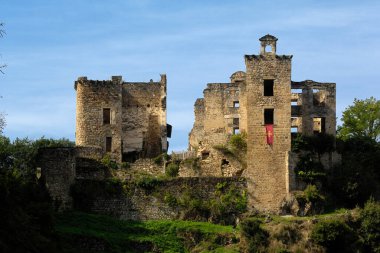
x,y
108,144
268,87
295,91
294,130
268,116
319,125
106,116
236,104
294,103
236,130
235,121
225,162
268,48
205,155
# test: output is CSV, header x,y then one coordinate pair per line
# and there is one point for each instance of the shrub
x,y
334,235
370,226
309,170
108,162
288,235
238,142
229,203
159,160
313,195
194,163
125,165
172,170
255,237
148,182
170,200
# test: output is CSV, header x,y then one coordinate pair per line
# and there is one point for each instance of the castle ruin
x,y
127,122
125,119
263,103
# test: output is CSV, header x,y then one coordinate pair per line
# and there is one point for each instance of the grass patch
x,y
113,235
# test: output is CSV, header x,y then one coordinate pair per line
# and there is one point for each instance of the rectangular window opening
x,y
236,130
294,103
268,116
294,130
235,121
268,87
296,91
108,144
106,116
236,104
205,155
319,125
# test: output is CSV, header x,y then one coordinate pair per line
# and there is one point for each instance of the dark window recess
x,y
268,87
108,144
323,125
235,121
131,157
169,130
225,162
268,116
236,104
205,155
106,116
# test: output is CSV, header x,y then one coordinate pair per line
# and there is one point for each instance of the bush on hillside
x,y
370,226
334,235
255,237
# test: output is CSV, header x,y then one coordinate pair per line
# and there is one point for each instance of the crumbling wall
x,y
58,171
156,203
144,118
217,118
127,118
315,108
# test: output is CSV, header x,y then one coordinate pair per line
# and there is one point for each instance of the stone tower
x,y
127,120
268,102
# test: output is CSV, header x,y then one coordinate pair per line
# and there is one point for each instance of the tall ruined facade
x,y
125,119
262,95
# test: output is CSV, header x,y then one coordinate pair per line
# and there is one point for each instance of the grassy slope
x,y
131,236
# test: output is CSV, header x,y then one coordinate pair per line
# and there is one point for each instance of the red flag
x,y
269,129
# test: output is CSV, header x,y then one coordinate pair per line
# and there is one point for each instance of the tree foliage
x,y
362,119
357,178
26,209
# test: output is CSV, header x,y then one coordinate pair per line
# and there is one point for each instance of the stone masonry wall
x,y
137,116
142,204
267,164
92,97
58,172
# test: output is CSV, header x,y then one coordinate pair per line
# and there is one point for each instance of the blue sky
x,y
50,43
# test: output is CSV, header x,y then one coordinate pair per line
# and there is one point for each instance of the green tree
x,y
362,119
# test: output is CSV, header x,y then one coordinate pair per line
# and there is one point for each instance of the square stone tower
x,y
268,102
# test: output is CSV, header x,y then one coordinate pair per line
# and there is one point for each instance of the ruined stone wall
x,y
316,107
216,117
144,118
137,116
267,164
197,132
92,98
58,171
142,204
